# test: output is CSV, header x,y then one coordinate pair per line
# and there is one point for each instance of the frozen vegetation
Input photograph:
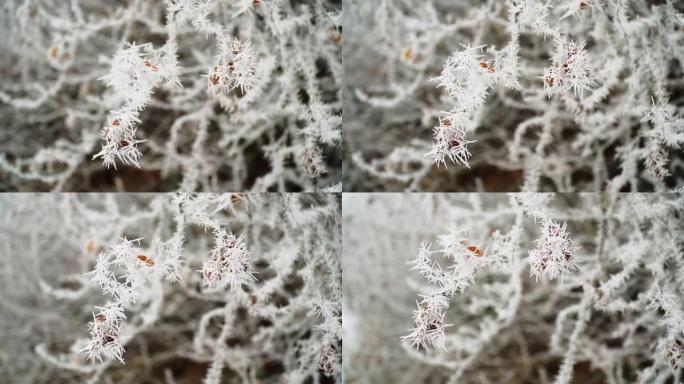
x,y
165,95
515,95
170,288
526,288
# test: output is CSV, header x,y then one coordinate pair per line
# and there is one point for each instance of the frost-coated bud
x,y
554,254
230,265
234,69
429,323
105,337
571,70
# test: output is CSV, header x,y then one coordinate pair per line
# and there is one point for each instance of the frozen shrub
x,y
201,288
527,95
190,95
526,288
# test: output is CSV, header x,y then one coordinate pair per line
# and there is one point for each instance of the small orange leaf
x,y
408,54
476,251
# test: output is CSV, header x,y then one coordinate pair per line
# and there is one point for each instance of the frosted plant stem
x,y
569,359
